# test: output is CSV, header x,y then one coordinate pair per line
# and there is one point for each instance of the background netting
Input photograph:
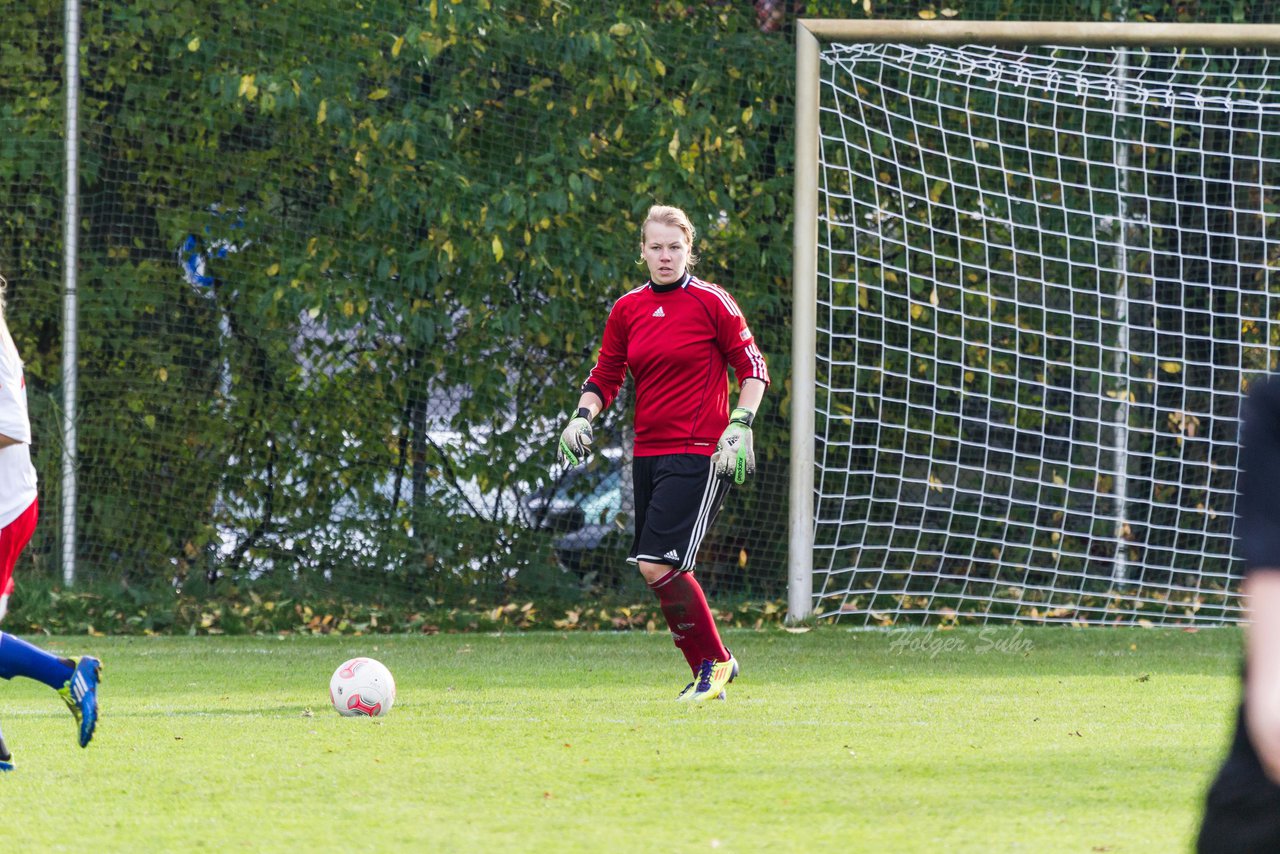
x,y
1046,278
342,271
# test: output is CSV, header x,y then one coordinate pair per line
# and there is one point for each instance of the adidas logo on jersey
x,y
658,312
671,555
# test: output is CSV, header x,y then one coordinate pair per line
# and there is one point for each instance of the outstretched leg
x,y
19,658
75,679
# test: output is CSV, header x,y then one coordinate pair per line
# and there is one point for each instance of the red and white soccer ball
x,y
362,687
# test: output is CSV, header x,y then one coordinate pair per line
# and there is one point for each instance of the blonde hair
x,y
673,216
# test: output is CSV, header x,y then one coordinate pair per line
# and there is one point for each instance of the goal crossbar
x,y
1016,33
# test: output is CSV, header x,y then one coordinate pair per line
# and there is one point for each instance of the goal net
x,y
1045,276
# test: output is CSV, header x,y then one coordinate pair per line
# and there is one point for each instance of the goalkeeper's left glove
x,y
734,457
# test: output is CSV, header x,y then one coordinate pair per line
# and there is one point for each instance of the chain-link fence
x,y
342,268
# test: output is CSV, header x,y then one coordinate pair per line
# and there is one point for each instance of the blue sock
x,y
19,658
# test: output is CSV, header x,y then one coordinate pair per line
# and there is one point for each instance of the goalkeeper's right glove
x,y
576,439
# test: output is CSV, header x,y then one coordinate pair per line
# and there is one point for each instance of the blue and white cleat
x,y
81,695
6,758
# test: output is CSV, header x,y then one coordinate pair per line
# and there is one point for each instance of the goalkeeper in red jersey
x,y
678,335
1242,812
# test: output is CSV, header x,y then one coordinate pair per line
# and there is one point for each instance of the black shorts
x,y
677,499
1242,812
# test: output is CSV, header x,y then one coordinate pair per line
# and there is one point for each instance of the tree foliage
x,y
411,223
341,268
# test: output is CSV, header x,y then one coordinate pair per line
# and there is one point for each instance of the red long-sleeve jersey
x,y
678,340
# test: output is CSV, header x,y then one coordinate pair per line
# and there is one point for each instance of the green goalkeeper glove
x,y
734,456
575,441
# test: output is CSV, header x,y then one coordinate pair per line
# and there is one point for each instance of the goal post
x,y
1036,266
803,330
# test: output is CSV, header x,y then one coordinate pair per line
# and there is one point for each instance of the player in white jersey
x,y
75,679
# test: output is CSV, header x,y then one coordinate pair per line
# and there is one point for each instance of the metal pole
x,y
803,328
70,331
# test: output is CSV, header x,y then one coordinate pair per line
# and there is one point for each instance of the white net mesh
x,y
1044,281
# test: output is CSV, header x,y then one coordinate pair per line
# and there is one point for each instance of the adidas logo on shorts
x,y
672,555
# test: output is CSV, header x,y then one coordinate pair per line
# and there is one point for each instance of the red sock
x,y
689,617
674,609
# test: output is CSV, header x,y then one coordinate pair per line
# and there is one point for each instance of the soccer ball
x,y
362,686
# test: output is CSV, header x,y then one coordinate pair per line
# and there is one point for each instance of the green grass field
x,y
995,740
